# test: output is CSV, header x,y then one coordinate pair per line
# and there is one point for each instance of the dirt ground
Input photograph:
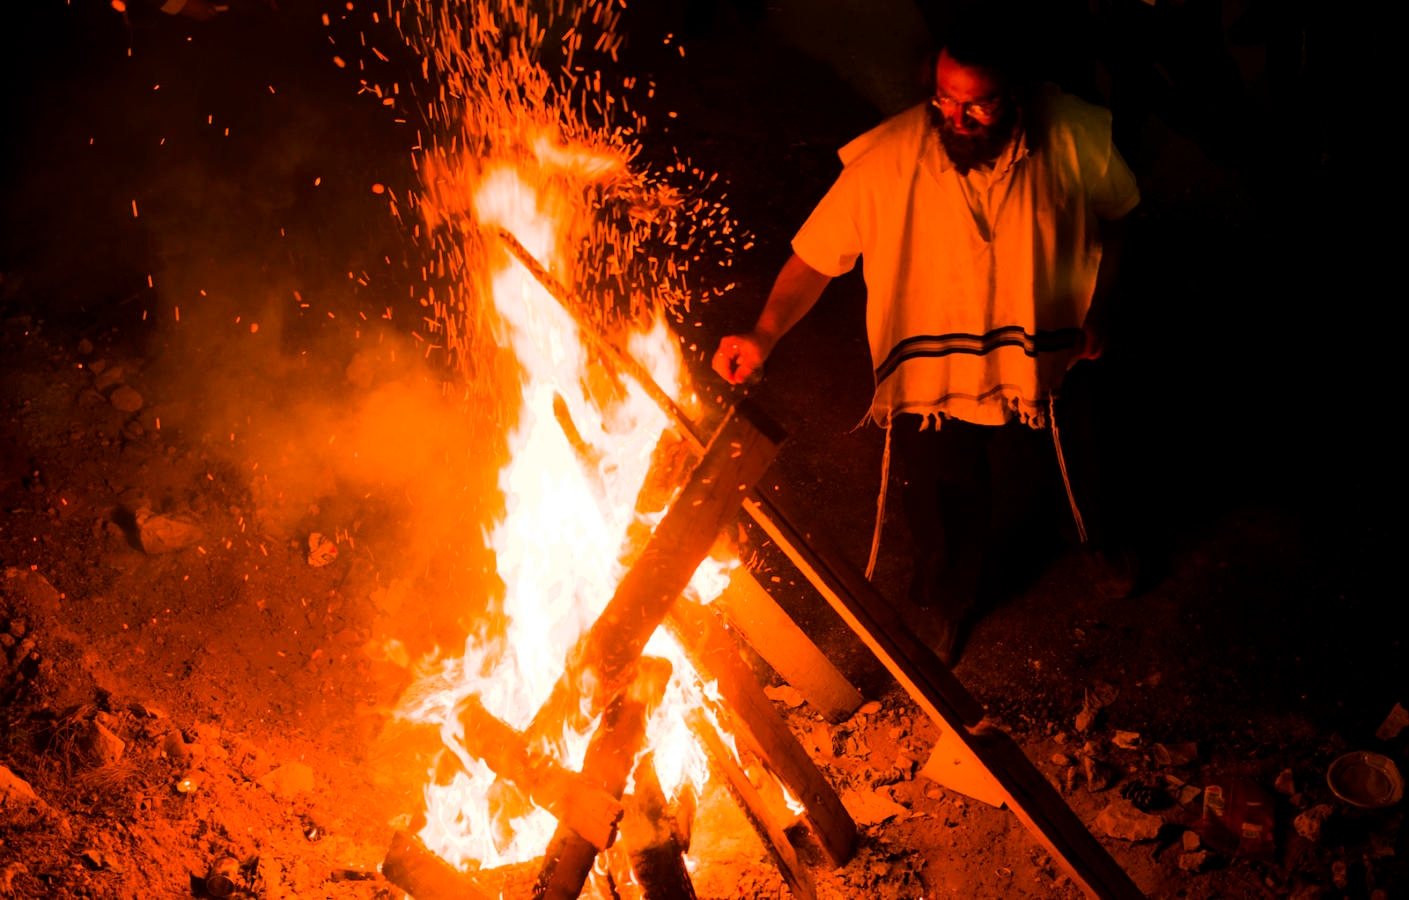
x,y
179,685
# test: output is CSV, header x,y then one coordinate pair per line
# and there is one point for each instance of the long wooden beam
x,y
983,749
740,452
773,635
715,654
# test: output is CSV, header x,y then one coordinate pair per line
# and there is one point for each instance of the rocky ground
x,y
209,617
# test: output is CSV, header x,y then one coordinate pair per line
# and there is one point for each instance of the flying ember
x,y
518,154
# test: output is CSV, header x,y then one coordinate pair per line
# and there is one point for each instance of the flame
x,y
580,440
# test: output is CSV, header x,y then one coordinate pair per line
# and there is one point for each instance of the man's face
x,y
972,111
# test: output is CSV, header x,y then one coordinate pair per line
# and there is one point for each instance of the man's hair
x,y
993,36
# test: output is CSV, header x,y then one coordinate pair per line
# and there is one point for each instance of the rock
x,y
1120,819
784,694
1061,759
1193,862
870,808
1340,874
144,710
1310,823
869,708
125,399
19,804
162,533
85,347
1176,754
1101,694
176,748
288,780
97,366
109,376
1394,723
1191,841
1285,783
321,550
1085,719
1070,776
1099,775
97,746
1126,740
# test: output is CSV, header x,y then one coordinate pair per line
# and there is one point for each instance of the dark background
x,y
1253,369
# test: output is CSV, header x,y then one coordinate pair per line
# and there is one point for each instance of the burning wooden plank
x,y
716,655
425,876
653,844
798,879
775,636
610,758
574,799
739,454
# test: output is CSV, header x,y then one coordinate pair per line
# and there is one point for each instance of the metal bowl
x,y
1366,779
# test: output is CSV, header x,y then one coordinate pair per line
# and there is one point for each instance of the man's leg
x,y
948,504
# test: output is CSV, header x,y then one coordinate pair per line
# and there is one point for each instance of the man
x,y
988,221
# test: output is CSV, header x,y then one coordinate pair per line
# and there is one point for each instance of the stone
x,y
1099,775
1061,759
125,399
1176,754
869,808
163,533
1126,740
98,746
19,804
288,780
176,748
1123,821
1191,841
1193,862
784,694
109,376
869,708
1394,723
1310,823
85,347
1085,719
1285,783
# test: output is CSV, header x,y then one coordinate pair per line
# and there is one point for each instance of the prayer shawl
x,y
977,286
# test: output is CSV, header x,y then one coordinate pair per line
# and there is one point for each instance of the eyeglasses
x,y
981,111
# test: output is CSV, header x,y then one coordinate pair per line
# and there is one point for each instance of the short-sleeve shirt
x,y
977,285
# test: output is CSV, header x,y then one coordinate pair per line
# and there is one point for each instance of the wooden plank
x,y
573,798
739,454
610,757
773,634
716,655
648,832
798,879
425,876
930,683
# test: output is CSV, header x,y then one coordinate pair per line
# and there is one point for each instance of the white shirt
x,y
977,285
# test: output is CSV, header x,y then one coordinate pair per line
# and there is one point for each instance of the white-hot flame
x,y
569,504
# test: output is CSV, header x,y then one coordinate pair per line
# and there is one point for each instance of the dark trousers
x,y
982,501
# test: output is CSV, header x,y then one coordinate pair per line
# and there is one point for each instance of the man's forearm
x,y
794,293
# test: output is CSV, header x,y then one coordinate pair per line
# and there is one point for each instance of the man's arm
x,y
794,293
1097,323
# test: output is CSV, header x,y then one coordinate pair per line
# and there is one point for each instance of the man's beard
x,y
968,151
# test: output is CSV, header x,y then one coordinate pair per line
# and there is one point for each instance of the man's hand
x,y
739,356
1093,338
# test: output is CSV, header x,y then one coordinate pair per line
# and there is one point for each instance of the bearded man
x,y
988,219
